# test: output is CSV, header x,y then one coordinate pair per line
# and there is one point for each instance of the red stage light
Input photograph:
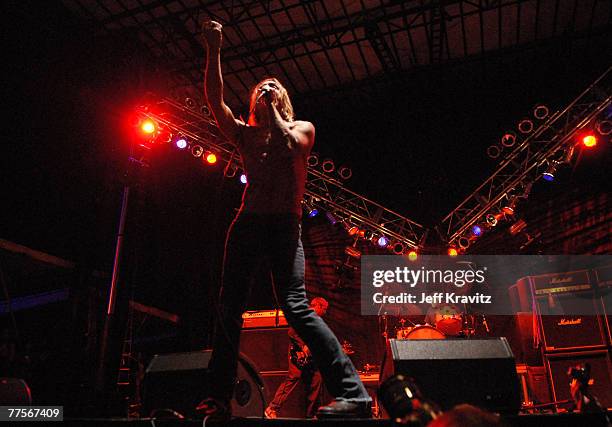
x,y
452,252
211,158
589,141
412,255
148,126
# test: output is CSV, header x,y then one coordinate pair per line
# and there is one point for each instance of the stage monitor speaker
x,y
601,374
267,348
179,381
480,372
14,391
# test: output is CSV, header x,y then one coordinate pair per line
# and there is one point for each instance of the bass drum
x,y
424,332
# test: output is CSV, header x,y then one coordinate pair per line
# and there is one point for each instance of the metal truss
x,y
550,144
315,45
322,191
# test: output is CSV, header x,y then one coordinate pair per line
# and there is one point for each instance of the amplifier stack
x,y
571,324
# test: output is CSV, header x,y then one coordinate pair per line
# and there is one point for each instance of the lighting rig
x,y
537,150
192,128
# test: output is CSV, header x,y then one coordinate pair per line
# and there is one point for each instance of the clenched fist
x,y
211,31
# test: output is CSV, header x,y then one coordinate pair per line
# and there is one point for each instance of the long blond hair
x,y
284,103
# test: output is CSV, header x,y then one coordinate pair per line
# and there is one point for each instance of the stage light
x,y
463,242
510,207
211,158
197,151
148,126
181,143
549,174
312,212
452,251
508,139
493,151
491,220
367,234
328,166
477,230
589,141
525,126
382,241
190,103
243,178
345,172
312,160
412,255
604,127
164,136
331,218
398,248
353,230
540,112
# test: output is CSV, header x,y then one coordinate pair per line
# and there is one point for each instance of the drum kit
x,y
441,322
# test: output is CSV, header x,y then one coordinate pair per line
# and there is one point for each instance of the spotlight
x,y
345,172
540,112
412,255
525,126
328,166
181,143
549,174
382,241
398,248
243,178
508,139
463,242
589,141
197,151
493,151
604,127
312,160
491,220
205,111
331,218
190,103
353,230
452,251
211,158
477,230
148,126
510,207
367,234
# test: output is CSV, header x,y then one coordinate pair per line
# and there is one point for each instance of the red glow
x,y
452,252
211,158
589,141
353,230
148,126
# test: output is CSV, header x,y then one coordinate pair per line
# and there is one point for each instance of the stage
x,y
545,420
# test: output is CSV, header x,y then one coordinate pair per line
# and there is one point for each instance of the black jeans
x,y
253,240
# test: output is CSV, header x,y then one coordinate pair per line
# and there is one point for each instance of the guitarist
x,y
301,367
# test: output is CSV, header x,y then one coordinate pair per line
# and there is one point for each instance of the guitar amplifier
x,y
263,319
568,311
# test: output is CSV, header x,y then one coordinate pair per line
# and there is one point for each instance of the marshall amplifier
x,y
568,311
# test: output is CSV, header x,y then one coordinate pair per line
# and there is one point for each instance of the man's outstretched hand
x,y
211,31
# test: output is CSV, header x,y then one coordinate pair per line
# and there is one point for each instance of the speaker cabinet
x,y
481,372
601,374
267,348
14,391
179,381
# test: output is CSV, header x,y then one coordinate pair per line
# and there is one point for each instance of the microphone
x,y
265,92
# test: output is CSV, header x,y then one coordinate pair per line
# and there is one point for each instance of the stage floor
x,y
540,420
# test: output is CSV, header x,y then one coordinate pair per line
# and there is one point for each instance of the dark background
x,y
417,147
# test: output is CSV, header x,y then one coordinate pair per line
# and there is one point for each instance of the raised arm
x,y
213,81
